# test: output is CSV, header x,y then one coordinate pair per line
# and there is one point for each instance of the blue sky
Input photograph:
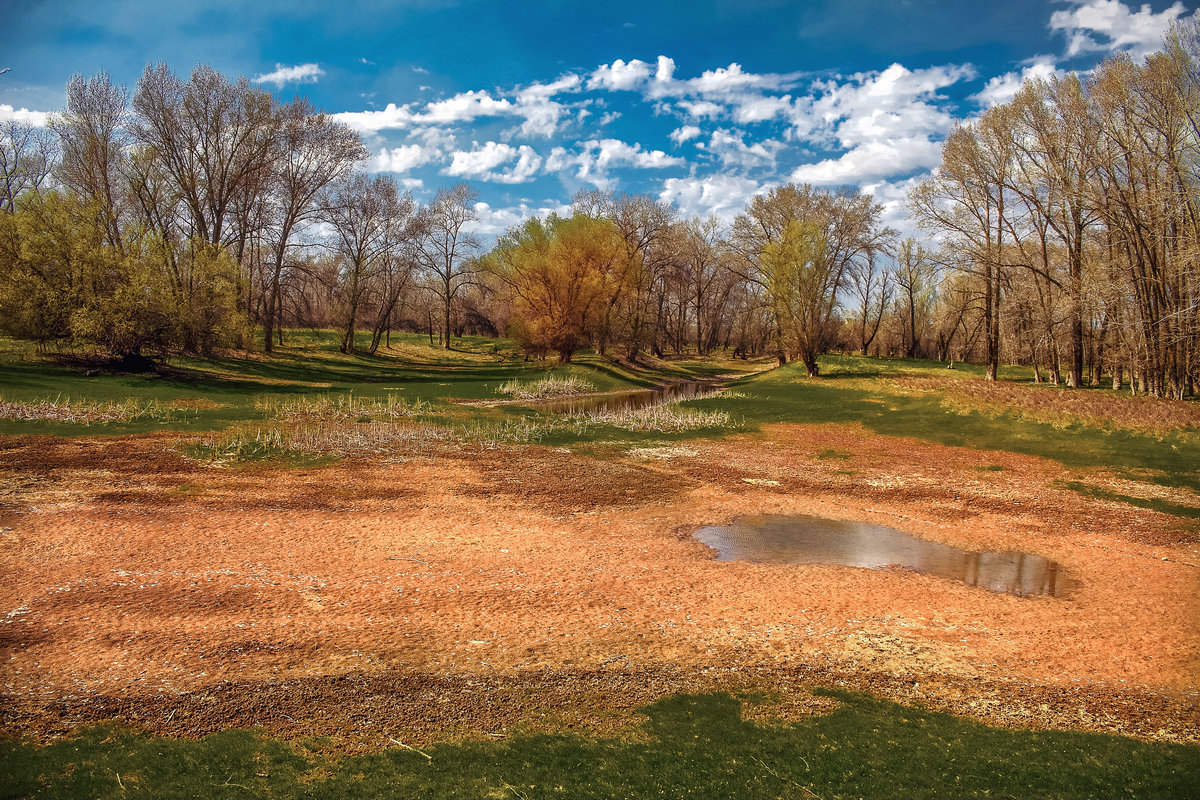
x,y
699,103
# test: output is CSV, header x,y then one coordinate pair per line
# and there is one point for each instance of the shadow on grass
x,y
695,745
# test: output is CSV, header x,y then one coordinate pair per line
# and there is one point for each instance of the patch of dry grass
x,y
339,408
667,418
549,388
88,412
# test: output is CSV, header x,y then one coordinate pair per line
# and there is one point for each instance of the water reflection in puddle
x,y
812,540
627,401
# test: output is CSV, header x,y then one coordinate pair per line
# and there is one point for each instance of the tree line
x,y
1062,233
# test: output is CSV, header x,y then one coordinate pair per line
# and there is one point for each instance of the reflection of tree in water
x,y
811,540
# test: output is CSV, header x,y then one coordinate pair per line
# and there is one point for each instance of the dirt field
x,y
474,593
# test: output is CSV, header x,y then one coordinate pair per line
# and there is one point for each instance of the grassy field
x,y
689,745
289,407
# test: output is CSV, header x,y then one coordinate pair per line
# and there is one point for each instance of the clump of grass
x,y
833,453
506,431
339,408
88,412
548,388
667,417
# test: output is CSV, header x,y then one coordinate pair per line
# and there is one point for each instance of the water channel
x,y
627,401
812,540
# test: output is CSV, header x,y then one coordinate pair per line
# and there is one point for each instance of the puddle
x,y
627,401
811,540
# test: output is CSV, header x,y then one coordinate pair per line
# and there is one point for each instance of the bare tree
x,y
798,244
213,138
93,140
448,250
371,223
27,156
312,152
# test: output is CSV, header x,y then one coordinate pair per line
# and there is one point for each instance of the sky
x,y
701,103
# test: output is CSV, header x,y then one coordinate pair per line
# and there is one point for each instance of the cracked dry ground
x,y
527,588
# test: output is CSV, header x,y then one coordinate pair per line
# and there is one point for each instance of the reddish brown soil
x,y
466,593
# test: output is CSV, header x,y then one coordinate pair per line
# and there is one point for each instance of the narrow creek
x,y
811,540
628,401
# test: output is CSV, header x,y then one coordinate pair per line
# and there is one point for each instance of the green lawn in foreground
x,y
691,745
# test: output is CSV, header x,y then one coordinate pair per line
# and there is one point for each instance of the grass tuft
x,y
665,418
548,388
339,408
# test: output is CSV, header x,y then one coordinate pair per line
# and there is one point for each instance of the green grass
x,y
785,395
308,365
690,745
1154,504
853,390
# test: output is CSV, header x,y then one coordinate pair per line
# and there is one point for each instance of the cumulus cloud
x,y
681,135
889,123
541,111
464,107
872,160
620,76
1107,26
702,109
392,117
299,73
38,119
1003,88
481,163
722,196
404,158
596,157
730,146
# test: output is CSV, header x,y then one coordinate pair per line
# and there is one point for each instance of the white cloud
x,y
596,156
37,119
681,135
731,148
541,112
702,109
481,163
734,79
464,107
872,160
722,196
1003,88
300,73
1108,26
404,158
392,117
760,109
888,122
620,75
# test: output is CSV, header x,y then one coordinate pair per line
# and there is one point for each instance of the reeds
x,y
548,388
339,408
